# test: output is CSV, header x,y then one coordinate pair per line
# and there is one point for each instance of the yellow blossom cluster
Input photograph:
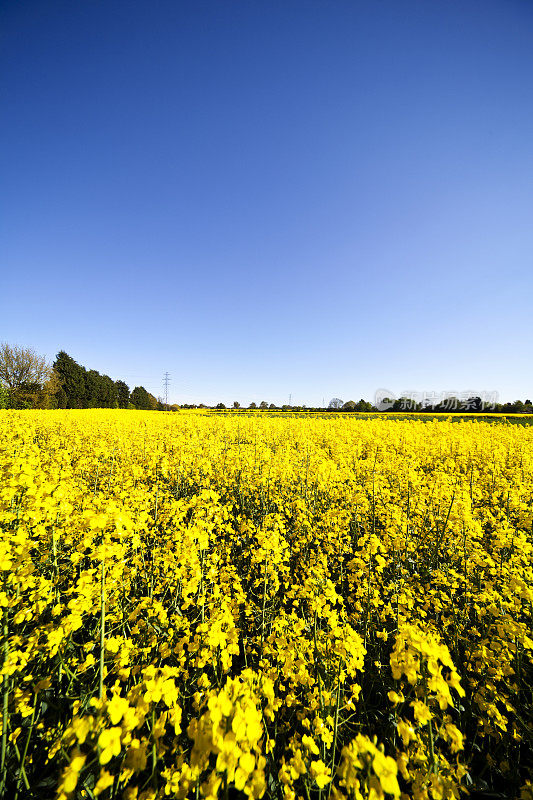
x,y
294,606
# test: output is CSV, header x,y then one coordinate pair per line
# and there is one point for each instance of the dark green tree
x,y
153,402
61,398
405,404
93,389
475,405
140,399
72,379
123,394
108,392
363,405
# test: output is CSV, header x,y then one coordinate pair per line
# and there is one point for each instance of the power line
x,y
166,381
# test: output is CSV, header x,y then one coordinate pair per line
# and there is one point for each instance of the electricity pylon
x,y
166,381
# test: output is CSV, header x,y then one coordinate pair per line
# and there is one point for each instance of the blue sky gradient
x,y
271,198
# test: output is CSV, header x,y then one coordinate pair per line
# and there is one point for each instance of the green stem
x,y
154,752
432,749
336,726
263,609
22,771
19,757
431,743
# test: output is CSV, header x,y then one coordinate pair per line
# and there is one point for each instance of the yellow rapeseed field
x,y
201,606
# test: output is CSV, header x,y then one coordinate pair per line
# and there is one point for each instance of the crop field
x,y
202,606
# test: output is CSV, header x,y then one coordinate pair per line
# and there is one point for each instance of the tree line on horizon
x,y
28,381
451,405
80,387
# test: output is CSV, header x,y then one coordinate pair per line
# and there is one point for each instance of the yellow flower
x,y
109,744
136,756
421,711
247,762
406,731
297,765
386,769
104,782
117,708
310,744
320,773
526,791
396,697
169,692
81,727
71,773
455,737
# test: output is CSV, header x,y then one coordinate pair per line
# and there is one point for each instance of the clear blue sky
x,y
317,197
